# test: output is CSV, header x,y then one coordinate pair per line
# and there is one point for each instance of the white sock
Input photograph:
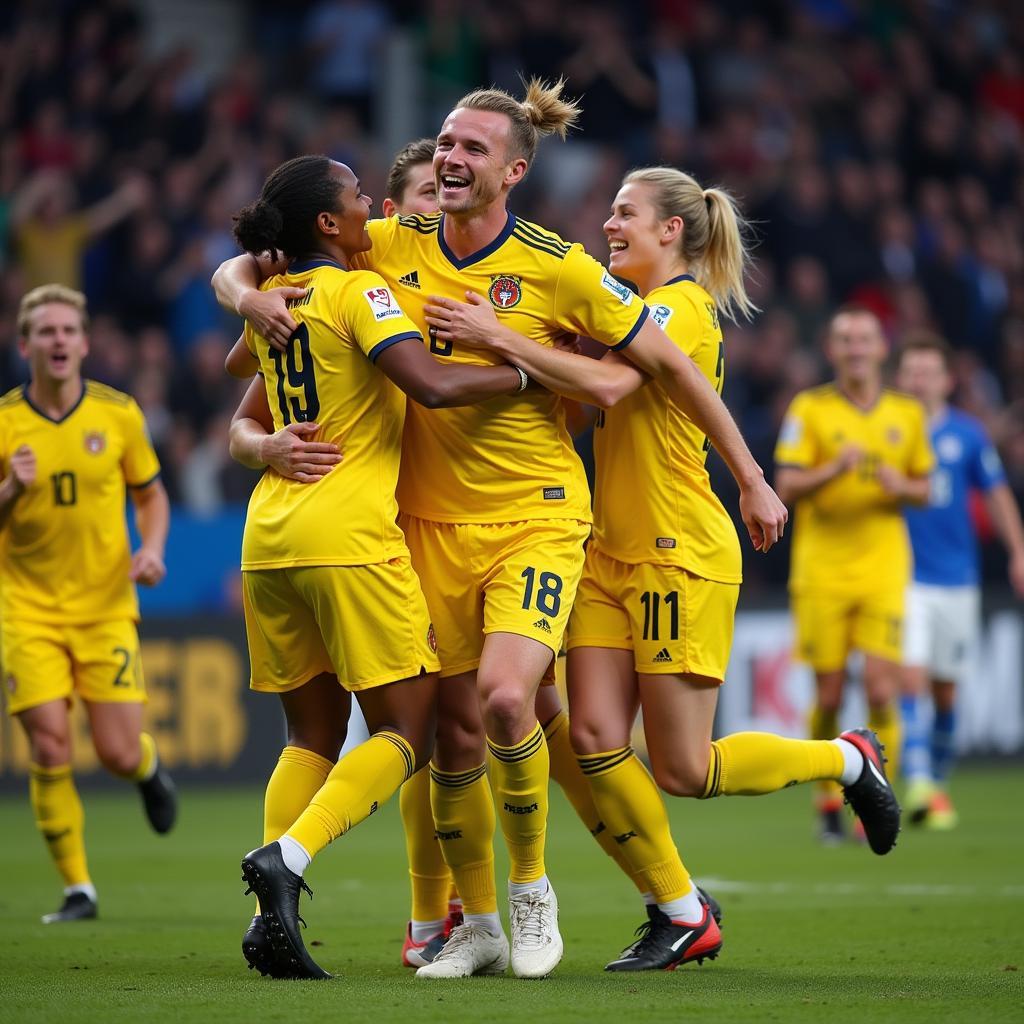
x,y
853,762
424,931
489,923
687,908
85,887
522,888
294,854
648,898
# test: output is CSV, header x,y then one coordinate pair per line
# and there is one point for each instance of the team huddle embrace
x,y
419,378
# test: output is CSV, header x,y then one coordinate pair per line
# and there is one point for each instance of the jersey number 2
x,y
294,369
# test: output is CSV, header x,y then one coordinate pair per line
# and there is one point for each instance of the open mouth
x,y
616,245
58,360
454,183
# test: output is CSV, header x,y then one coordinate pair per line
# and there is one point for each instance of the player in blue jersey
x,y
943,604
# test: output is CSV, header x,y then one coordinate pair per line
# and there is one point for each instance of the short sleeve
x,y
797,445
589,301
680,320
986,468
139,462
373,318
921,457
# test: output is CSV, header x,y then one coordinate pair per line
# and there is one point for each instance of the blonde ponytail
x,y
713,238
542,112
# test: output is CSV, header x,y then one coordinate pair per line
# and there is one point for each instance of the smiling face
x,y
634,232
420,192
856,348
54,343
472,165
346,224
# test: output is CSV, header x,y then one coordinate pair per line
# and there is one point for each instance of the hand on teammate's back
x,y
291,453
268,313
763,514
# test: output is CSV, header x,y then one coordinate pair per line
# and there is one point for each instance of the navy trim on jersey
x,y
681,277
480,254
49,419
640,321
393,340
300,266
145,483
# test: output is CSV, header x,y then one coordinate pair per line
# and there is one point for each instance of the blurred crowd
x,y
877,147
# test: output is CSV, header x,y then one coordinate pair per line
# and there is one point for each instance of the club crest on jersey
x,y
95,442
894,435
506,290
383,304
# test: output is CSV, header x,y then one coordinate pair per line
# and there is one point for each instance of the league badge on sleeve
x,y
621,291
506,290
383,304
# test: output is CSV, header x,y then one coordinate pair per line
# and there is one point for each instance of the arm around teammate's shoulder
x,y
236,283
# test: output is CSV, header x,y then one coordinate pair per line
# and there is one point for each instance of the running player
x,y
319,595
653,620
851,455
69,447
495,503
943,605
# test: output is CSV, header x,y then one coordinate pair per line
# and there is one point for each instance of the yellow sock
x,y
358,784
565,770
751,763
298,776
631,806
886,723
430,879
519,779
60,819
824,725
464,819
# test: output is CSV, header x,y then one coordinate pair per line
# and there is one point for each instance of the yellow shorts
x,y
830,626
368,624
44,661
672,621
516,578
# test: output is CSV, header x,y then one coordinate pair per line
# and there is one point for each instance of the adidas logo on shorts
x,y
411,280
663,655
543,624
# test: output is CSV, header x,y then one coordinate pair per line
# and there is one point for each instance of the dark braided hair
x,y
284,217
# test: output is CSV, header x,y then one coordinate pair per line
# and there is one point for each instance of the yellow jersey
x,y
327,375
653,500
64,552
508,459
850,536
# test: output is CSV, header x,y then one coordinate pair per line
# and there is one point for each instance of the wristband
x,y
523,379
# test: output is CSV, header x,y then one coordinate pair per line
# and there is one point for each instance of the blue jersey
x,y
942,534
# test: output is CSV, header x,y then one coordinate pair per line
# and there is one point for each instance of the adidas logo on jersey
x,y
663,655
542,624
411,280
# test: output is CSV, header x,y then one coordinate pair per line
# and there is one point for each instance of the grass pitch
x,y
933,931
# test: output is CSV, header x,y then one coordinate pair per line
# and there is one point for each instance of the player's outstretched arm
x,y
763,513
426,381
153,521
236,284
291,451
21,477
600,382
1005,514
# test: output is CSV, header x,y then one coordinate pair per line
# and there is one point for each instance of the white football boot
x,y
469,950
536,943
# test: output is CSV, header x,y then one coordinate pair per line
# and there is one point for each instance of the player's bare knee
x,y
680,777
50,748
592,737
505,710
119,758
326,739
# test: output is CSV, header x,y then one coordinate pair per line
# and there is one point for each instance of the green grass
x,y
932,931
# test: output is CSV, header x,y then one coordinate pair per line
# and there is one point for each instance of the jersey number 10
x,y
295,373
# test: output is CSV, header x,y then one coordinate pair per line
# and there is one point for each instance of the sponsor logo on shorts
x,y
432,638
95,442
554,494
506,290
663,655
625,838
542,624
374,807
445,836
518,809
383,304
665,542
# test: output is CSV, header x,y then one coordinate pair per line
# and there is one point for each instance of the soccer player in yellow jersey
x,y
68,450
326,571
653,620
850,455
495,504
